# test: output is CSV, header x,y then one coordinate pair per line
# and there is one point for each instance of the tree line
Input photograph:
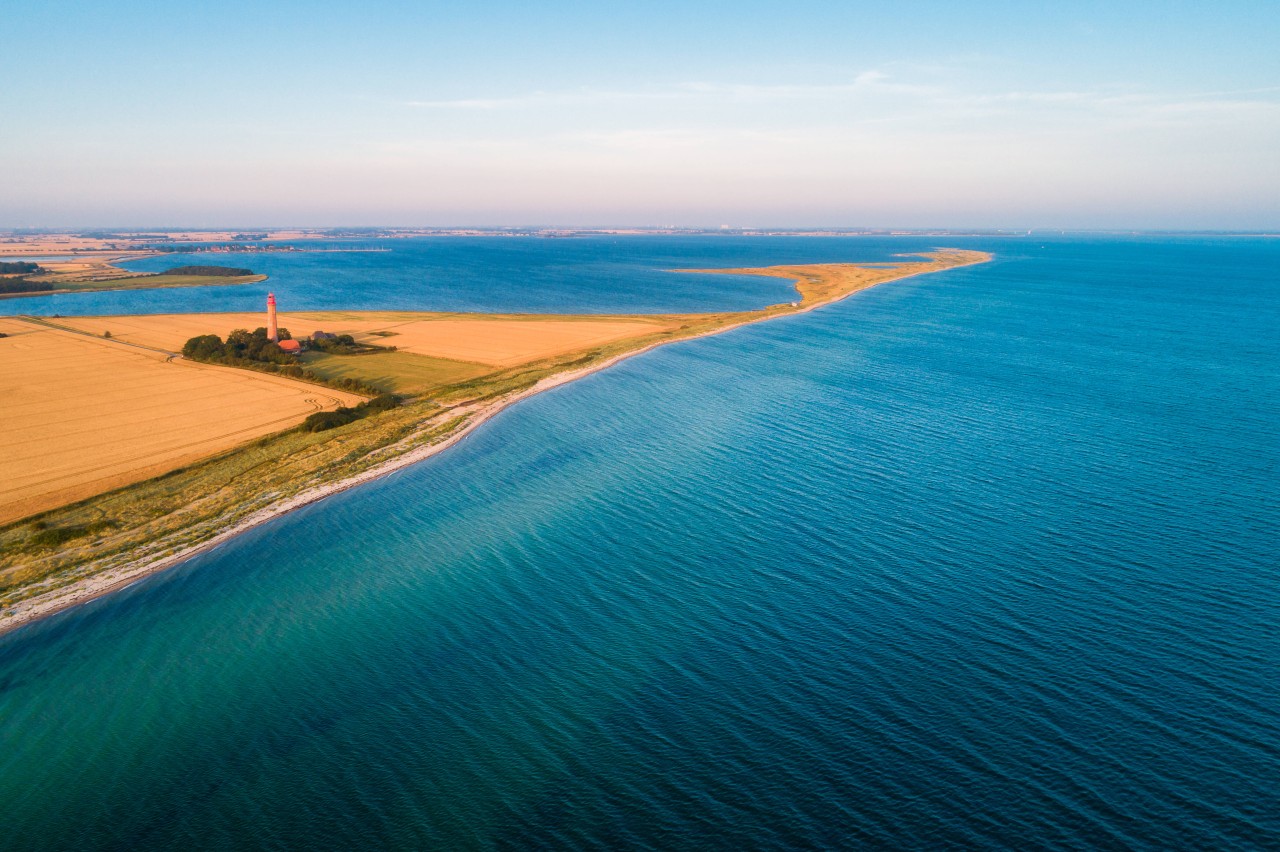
x,y
19,284
22,285
19,267
240,345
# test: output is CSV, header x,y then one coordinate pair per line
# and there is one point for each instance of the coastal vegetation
x,y
43,535
322,420
192,503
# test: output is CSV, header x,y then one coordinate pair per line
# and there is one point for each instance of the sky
x,y
1142,115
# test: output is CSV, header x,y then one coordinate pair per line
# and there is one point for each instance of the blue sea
x,y
985,559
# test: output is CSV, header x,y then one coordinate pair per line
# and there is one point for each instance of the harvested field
x,y
497,341
50,244
510,342
83,415
167,331
85,269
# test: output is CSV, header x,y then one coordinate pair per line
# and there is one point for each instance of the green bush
x,y
47,536
323,420
381,402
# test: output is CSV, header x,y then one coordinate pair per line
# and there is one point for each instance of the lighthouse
x,y
273,333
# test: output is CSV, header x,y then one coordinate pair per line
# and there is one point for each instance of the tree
x,y
206,347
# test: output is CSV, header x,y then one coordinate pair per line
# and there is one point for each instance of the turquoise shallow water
x,y
985,559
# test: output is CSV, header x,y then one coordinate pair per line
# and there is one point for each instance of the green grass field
x,y
402,373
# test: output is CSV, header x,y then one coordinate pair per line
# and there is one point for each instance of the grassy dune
x,y
122,531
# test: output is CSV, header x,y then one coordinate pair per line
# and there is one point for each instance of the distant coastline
x,y
84,270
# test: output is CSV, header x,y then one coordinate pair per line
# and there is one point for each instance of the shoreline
x,y
109,261
92,588
77,291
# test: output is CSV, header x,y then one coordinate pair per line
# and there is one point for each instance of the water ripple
x,y
979,561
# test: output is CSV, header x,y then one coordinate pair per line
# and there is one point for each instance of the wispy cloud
x,y
877,96
864,82
540,99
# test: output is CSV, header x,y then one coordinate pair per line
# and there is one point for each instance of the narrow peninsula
x,y
212,428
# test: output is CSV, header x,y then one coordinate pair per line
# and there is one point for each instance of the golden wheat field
x,y
494,341
83,415
510,342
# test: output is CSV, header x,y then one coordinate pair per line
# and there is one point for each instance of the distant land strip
x,y
47,278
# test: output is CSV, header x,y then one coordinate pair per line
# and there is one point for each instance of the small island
x,y
25,278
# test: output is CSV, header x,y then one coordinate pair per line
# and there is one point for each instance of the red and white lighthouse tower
x,y
273,333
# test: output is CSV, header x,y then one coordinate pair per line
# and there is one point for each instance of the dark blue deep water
x,y
986,559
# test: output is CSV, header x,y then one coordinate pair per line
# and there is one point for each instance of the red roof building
x,y
290,347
